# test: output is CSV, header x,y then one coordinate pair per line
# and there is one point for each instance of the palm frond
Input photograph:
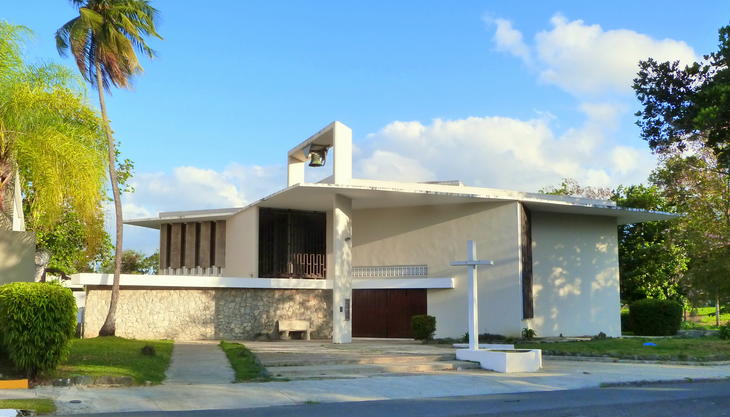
x,y
107,35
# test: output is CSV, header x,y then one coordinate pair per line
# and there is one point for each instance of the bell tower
x,y
334,140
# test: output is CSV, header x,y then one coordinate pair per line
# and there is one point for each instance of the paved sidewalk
x,y
199,363
557,375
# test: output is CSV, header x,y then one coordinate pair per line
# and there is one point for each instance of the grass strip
x,y
39,405
116,356
244,363
677,349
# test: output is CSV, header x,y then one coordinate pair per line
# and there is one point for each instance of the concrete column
x,y
342,269
342,149
164,258
295,171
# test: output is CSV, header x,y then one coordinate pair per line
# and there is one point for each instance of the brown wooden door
x,y
386,313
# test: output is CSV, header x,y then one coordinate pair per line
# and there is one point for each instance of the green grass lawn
x,y
704,318
115,356
702,349
39,405
244,363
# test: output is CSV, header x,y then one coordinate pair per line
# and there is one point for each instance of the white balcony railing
x,y
390,271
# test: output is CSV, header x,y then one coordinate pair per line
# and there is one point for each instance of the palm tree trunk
x,y
109,327
717,310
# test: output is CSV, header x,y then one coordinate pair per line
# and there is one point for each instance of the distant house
x,y
358,258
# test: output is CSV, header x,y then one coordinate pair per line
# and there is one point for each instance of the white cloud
x,y
508,39
586,59
503,152
189,188
192,188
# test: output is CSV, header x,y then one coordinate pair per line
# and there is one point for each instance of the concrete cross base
x,y
493,346
505,361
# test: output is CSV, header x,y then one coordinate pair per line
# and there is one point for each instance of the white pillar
x,y
342,269
342,149
295,171
471,251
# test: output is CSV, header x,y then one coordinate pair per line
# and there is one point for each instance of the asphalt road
x,y
701,399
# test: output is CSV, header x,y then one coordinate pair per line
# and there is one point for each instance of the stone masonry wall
x,y
221,313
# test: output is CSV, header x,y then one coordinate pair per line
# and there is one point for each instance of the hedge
x,y
625,321
423,326
651,317
37,322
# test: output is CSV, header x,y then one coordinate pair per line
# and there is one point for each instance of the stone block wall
x,y
220,313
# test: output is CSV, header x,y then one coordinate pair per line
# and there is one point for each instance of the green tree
x,y
700,189
685,119
51,137
103,39
70,247
571,187
134,262
690,105
652,258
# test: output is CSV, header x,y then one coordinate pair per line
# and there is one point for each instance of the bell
x,y
317,157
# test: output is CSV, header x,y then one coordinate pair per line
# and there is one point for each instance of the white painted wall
x,y
436,236
576,280
17,256
242,242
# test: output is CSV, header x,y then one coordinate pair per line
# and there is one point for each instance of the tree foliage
x,y
134,262
652,259
50,135
571,187
696,186
687,105
70,247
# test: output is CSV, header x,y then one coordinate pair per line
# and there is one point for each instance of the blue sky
x,y
501,94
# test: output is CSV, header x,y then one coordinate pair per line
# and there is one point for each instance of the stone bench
x,y
287,326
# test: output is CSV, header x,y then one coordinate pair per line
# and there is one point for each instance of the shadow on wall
x,y
17,256
575,266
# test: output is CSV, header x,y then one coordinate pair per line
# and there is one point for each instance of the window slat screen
x,y
292,244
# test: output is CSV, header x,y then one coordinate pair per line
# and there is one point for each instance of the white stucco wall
x,y
242,241
576,280
17,257
436,236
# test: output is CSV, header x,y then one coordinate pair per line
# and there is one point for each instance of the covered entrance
x,y
386,313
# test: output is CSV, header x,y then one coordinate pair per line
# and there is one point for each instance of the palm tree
x,y
51,137
103,39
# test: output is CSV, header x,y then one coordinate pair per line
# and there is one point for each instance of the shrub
x,y
491,338
725,331
600,336
528,334
423,326
37,321
650,317
625,321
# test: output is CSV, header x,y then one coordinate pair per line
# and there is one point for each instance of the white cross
x,y
473,300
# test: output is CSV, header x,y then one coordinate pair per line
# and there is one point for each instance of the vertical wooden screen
x,y
291,243
528,308
196,246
